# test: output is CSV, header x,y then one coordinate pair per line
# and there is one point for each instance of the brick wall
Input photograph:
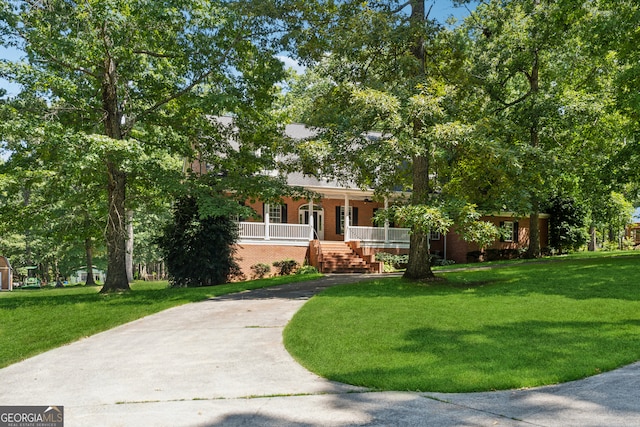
x,y
457,248
248,255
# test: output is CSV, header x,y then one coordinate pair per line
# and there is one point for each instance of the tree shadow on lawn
x,y
498,357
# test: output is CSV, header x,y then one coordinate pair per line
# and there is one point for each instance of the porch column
x,y
346,218
386,221
311,219
267,221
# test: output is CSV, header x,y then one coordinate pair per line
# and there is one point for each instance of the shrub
x,y
259,270
494,255
307,269
199,251
567,224
437,260
392,261
286,266
609,246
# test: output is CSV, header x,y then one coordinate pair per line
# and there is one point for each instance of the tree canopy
x,y
131,93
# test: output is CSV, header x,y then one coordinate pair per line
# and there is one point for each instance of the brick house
x,y
336,232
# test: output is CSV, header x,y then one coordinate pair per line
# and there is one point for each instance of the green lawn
x,y
516,326
36,320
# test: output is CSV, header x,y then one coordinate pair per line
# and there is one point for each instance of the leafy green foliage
x,y
567,224
258,271
543,101
286,266
394,111
392,262
306,270
423,217
199,249
138,97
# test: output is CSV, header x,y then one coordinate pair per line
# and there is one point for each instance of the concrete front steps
x,y
346,257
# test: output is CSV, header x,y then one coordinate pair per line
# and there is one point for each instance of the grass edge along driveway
x,y
520,326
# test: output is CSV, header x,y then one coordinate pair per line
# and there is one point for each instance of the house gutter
x,y
445,247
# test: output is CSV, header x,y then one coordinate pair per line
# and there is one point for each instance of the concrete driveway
x,y
222,363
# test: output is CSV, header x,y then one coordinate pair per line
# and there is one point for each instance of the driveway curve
x,y
221,362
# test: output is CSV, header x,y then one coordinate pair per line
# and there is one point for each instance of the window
x,y
434,235
353,216
277,213
510,231
508,227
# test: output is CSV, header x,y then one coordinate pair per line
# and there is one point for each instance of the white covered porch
x,y
297,233
310,218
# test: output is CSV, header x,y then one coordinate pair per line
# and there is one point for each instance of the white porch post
x,y
346,218
386,221
311,219
267,222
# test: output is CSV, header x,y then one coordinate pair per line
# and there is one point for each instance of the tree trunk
x,y
129,255
116,232
592,239
26,195
88,248
534,133
534,235
57,271
116,235
419,266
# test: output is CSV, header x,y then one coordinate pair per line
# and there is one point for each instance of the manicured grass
x,y
556,258
36,320
517,326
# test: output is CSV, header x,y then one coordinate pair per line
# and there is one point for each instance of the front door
x,y
318,219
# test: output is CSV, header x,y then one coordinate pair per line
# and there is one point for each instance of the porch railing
x,y
251,230
377,234
366,234
399,234
289,231
300,232
258,230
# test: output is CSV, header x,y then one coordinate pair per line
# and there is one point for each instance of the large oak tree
x,y
134,79
382,93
